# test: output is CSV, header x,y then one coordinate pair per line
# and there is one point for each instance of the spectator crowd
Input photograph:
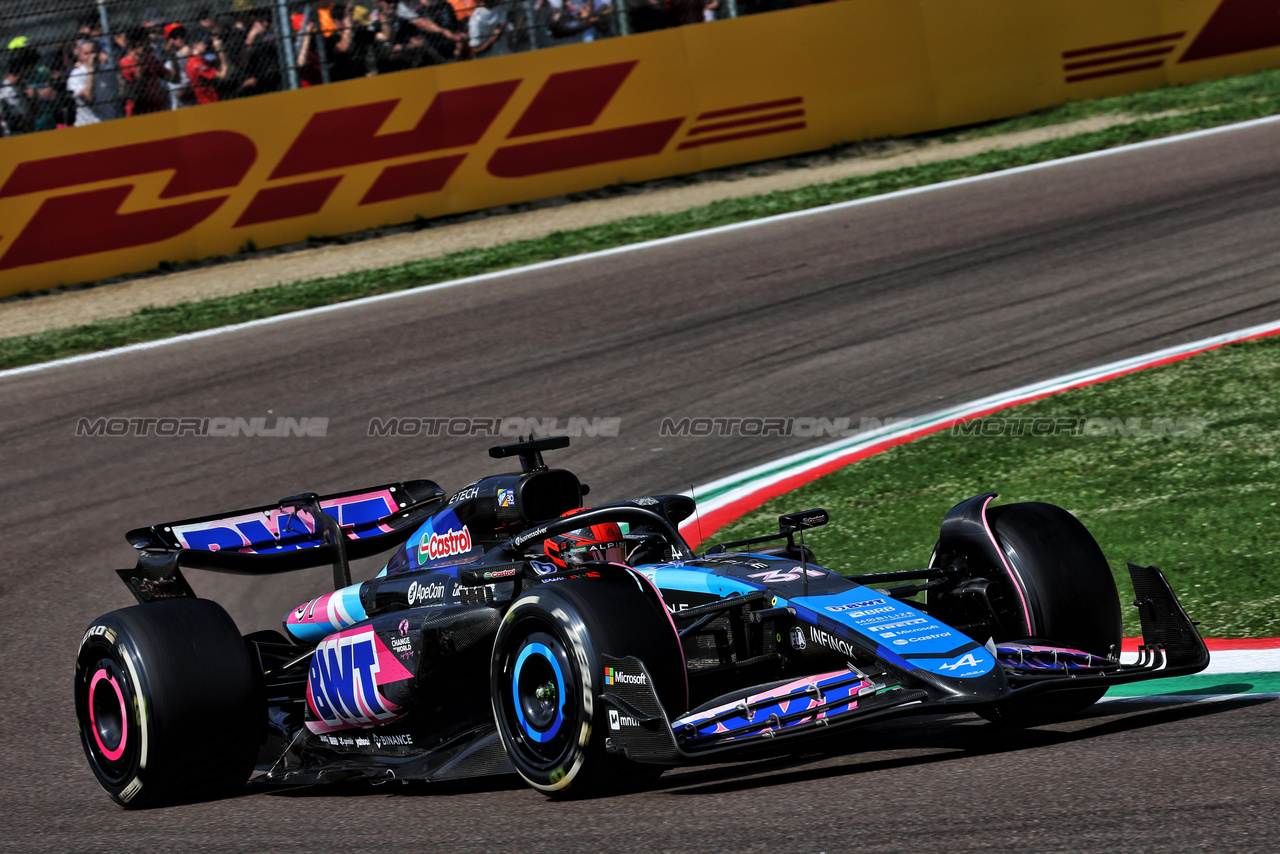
x,y
168,61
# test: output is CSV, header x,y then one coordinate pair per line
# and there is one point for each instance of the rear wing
x,y
298,532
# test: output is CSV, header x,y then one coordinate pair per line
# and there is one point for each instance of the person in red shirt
x,y
308,60
144,77
206,70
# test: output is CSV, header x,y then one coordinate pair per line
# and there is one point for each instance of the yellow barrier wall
x,y
124,196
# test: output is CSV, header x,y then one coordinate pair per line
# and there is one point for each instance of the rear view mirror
x,y
802,521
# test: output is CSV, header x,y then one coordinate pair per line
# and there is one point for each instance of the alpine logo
x,y
444,545
967,661
342,684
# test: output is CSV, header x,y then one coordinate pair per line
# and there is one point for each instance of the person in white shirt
x,y
488,29
175,55
80,80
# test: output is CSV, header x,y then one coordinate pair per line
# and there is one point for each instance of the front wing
x,y
764,717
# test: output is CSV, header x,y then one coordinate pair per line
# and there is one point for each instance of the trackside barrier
x,y
124,196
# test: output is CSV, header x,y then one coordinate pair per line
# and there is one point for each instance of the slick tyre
x,y
548,673
167,703
1070,595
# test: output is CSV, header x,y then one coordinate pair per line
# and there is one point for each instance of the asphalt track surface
x,y
885,309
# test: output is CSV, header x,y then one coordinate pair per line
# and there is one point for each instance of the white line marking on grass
x,y
727,499
1191,698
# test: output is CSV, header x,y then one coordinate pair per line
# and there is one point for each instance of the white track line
x,y
742,488
1192,698
1225,661
634,247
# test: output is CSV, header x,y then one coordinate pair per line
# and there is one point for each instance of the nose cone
x,y
967,683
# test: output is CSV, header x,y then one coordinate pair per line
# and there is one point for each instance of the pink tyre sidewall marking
x,y
111,755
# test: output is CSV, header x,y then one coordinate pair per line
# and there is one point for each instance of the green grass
x,y
1207,105
1261,86
1202,508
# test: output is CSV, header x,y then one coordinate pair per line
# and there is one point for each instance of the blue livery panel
x,y
901,631
837,610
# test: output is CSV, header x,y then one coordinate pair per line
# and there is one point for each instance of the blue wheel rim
x,y
529,729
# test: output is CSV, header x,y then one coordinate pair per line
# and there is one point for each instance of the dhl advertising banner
x,y
102,200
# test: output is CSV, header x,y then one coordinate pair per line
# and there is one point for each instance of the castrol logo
x,y
449,543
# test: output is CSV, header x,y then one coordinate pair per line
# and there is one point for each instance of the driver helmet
x,y
597,542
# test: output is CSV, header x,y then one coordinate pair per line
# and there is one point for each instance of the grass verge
x,y
1209,94
1201,507
1205,105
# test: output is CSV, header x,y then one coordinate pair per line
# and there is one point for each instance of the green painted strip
x,y
1202,684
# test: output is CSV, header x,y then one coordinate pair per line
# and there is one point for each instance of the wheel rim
x,y
106,698
540,692
538,688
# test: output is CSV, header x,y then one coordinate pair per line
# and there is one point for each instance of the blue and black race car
x,y
511,630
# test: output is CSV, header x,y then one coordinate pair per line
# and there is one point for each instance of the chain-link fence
x,y
75,62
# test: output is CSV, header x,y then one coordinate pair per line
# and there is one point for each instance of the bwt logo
x,y
342,683
551,135
263,534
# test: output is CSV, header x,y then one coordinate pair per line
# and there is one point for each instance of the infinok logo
x,y
332,141
342,685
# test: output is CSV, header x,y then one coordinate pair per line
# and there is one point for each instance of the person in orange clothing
x,y
308,59
463,8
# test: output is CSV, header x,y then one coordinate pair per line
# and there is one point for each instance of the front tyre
x,y
548,673
167,704
1070,596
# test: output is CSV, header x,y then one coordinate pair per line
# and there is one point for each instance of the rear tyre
x,y
167,703
548,673
1070,594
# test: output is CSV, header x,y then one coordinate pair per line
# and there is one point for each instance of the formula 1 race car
x,y
480,649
